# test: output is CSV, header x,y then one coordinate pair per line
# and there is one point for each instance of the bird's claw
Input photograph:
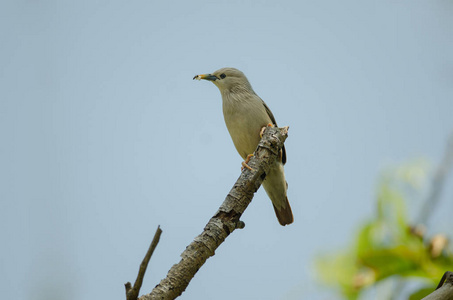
x,y
245,163
264,128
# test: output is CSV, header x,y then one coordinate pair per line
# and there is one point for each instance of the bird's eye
x,y
222,75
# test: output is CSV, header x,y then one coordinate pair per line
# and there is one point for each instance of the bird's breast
x,y
244,119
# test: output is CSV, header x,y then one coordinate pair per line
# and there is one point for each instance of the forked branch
x,y
225,220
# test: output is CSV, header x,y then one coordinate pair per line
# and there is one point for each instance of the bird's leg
x,y
264,128
245,163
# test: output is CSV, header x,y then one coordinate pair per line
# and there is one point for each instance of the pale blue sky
x,y
105,135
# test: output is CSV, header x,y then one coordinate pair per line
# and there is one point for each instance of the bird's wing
x,y
275,123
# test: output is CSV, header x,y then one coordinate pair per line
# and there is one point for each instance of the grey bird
x,y
245,116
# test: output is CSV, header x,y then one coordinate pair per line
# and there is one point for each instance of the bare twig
x,y
433,198
226,219
437,184
132,292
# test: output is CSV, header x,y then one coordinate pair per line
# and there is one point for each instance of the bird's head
x,y
227,79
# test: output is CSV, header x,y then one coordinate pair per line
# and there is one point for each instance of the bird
x,y
444,290
246,115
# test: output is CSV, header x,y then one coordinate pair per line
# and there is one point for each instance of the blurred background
x,y
105,136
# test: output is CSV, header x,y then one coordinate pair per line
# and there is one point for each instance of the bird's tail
x,y
284,213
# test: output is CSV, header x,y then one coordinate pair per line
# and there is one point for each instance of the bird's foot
x,y
245,163
264,128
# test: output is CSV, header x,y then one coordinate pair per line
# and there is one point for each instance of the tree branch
x,y
437,183
226,219
433,198
444,290
132,292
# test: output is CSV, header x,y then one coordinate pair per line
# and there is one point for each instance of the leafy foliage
x,y
387,246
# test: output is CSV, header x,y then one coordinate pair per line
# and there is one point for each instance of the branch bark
x,y
226,219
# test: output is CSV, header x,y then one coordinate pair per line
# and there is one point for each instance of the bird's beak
x,y
206,77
